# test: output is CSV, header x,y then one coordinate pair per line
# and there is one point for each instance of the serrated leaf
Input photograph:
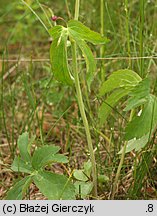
x,y
77,29
43,156
83,189
139,95
16,192
79,175
23,145
58,55
20,165
145,123
109,104
54,186
126,79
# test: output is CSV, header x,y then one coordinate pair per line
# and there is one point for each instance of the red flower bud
x,y
54,18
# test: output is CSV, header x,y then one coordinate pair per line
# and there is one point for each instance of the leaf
x,y
23,145
126,79
79,175
43,156
56,31
58,55
20,165
57,158
77,29
136,144
80,34
103,178
87,168
139,95
54,186
90,61
16,192
145,123
109,104
83,189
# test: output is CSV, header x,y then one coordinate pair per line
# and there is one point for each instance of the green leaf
x,y
54,186
79,175
77,29
43,156
87,168
16,192
126,79
20,165
57,158
89,58
145,123
139,95
83,189
109,104
103,178
23,145
58,55
136,144
56,31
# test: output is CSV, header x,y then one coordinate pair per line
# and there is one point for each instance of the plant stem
x,y
141,37
118,171
120,163
102,31
77,8
127,31
81,106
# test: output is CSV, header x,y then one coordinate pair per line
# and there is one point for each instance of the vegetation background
x,y
32,100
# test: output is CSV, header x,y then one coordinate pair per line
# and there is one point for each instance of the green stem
x,y
141,37
102,31
120,163
81,106
67,8
118,171
127,31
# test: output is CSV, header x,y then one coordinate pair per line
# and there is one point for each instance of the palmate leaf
x,y
18,190
43,155
81,34
126,79
54,186
58,51
58,55
145,123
